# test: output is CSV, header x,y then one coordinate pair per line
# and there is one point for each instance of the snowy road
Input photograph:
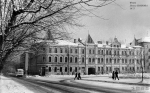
x,y
70,86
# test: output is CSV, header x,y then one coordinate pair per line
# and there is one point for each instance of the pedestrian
x,y
116,75
76,75
79,76
113,75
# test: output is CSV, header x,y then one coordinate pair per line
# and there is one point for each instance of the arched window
x,y
102,60
70,59
114,61
109,52
107,60
110,60
93,60
76,59
98,60
61,59
61,50
50,59
122,61
55,59
89,59
55,70
66,59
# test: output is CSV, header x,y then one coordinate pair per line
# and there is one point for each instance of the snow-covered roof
x,y
145,39
66,42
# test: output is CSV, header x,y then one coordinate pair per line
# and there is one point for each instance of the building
x,y
66,57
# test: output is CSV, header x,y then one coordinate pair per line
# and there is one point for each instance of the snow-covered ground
x,y
8,85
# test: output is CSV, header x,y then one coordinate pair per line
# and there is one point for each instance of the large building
x,y
66,57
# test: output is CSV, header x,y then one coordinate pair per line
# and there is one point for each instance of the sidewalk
x,y
146,82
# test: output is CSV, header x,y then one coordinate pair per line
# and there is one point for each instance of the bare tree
x,y
23,21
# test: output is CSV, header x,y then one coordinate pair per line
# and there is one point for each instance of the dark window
x,y
61,59
98,51
55,70
50,59
75,69
43,59
89,51
93,60
60,69
65,69
107,60
98,68
66,59
61,50
98,60
70,59
55,50
83,59
76,59
102,60
82,51
110,60
66,50
49,69
93,51
76,51
70,69
70,50
55,59
89,59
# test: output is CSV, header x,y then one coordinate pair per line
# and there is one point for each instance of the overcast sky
x,y
122,22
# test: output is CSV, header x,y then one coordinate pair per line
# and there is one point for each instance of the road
x,y
67,86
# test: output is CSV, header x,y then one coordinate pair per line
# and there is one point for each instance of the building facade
x,y
65,57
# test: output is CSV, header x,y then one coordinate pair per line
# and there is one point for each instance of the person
x,y
79,76
76,75
116,75
113,75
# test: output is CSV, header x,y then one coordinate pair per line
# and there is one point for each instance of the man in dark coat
x,y
116,75
113,75
79,76
76,75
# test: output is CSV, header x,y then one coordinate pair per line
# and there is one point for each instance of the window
x,y
44,49
75,69
107,60
89,51
98,51
89,59
43,59
93,51
76,51
82,59
122,61
50,50
60,69
114,52
114,61
61,50
82,51
55,59
70,69
122,53
50,59
66,59
70,59
98,68
65,69
76,59
117,52
106,52
110,60
93,60
122,68
49,69
70,50
102,60
55,70
66,50
126,61
55,50
61,59
102,52
132,61
109,52
98,60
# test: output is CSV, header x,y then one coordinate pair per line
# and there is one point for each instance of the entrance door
x,y
91,70
43,71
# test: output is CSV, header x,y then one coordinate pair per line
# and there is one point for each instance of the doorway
x,y
43,71
91,70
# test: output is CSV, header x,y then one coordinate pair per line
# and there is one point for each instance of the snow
x,y
8,85
145,39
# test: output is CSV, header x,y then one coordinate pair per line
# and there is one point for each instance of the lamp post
x,y
84,52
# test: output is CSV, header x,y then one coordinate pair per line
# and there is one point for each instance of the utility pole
x,y
68,59
26,63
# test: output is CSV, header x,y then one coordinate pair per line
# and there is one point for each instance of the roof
x,y
145,39
89,40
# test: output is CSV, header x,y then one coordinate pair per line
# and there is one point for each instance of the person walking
x,y
76,75
113,75
79,76
116,75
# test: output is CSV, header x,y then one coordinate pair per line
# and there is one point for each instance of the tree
x,y
23,21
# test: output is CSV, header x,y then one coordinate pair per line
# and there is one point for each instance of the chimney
x,y
99,42
75,41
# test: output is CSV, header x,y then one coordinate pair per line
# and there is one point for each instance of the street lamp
x,y
84,52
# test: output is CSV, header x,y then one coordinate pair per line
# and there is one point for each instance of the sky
x,y
122,22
